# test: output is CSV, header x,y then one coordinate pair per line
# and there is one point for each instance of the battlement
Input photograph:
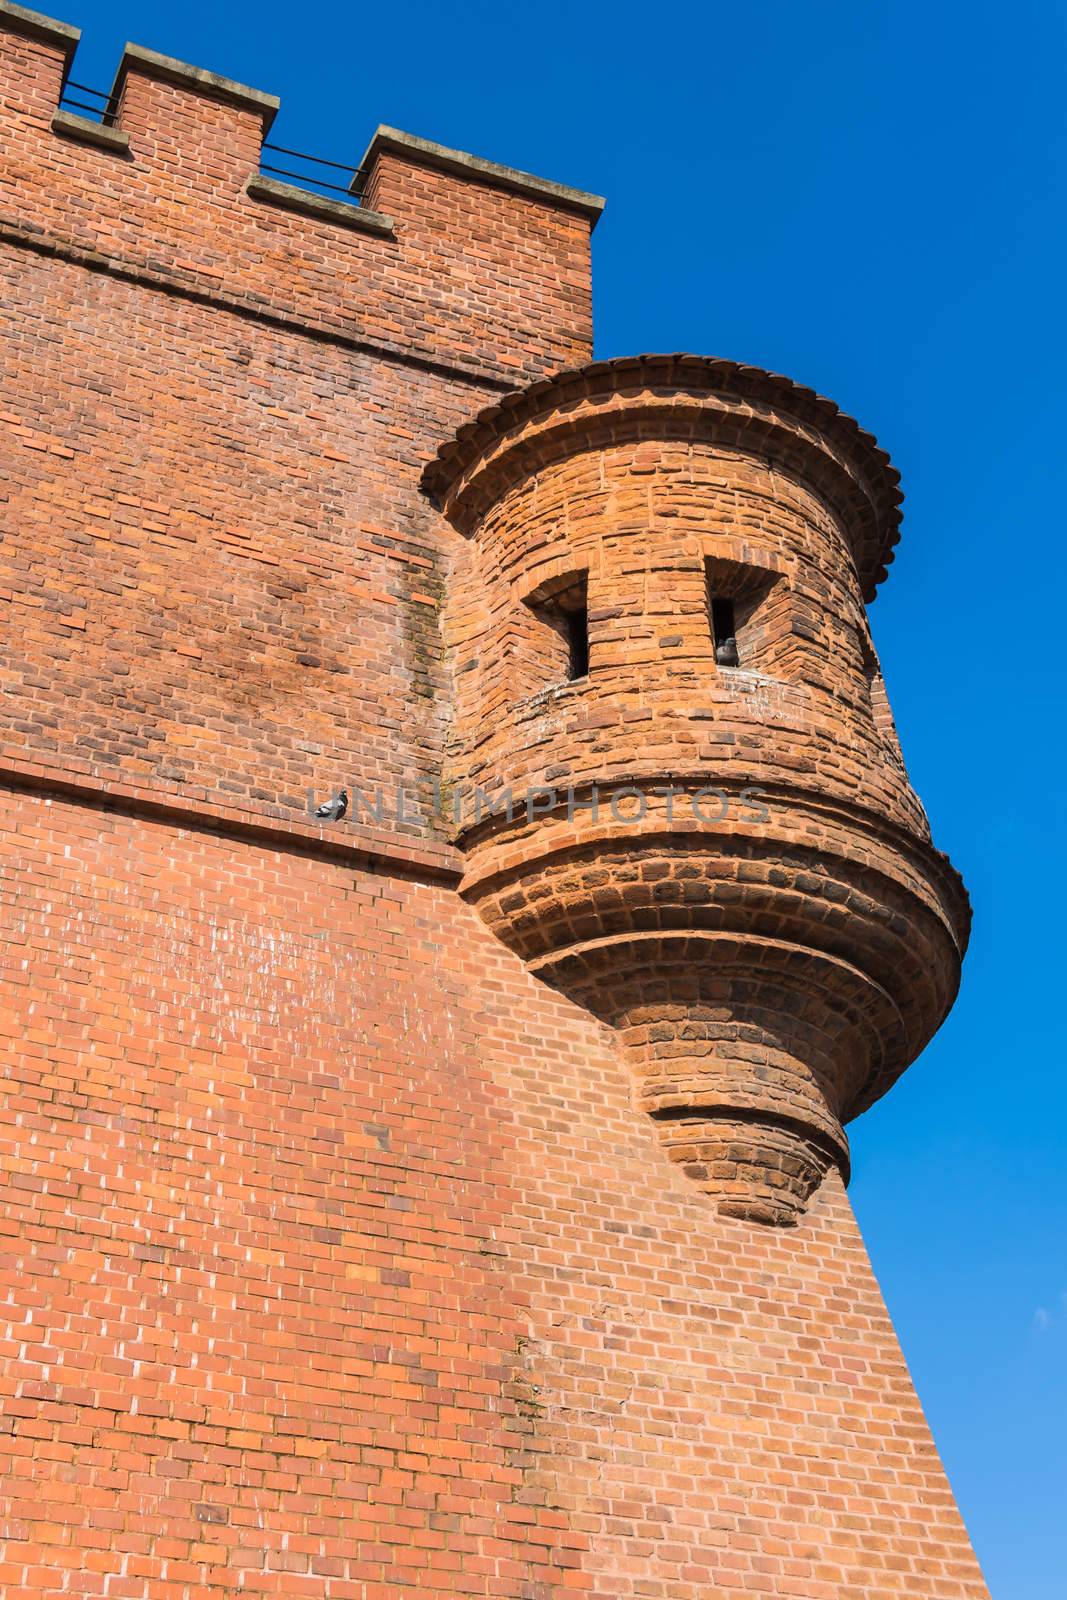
x,y
449,259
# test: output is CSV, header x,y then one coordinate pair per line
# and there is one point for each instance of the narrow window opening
x,y
724,632
556,648
577,625
749,615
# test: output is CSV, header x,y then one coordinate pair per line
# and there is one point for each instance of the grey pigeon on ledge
x,y
333,810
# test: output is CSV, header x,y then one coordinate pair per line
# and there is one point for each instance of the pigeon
x,y
726,653
333,810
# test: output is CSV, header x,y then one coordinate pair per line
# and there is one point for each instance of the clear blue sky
x,y
868,195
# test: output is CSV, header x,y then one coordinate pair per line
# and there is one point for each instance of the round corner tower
x,y
679,787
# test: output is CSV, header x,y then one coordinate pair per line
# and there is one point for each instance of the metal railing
x,y
352,190
99,104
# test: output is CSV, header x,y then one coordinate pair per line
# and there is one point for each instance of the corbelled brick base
x,y
396,1207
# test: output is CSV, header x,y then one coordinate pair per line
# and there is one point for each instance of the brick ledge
x,y
355,844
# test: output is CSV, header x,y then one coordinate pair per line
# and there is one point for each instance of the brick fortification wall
x,y
340,1257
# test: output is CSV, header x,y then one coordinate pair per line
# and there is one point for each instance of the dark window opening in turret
x,y
554,634
724,631
749,616
578,640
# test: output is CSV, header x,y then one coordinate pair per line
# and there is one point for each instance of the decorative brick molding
x,y
770,974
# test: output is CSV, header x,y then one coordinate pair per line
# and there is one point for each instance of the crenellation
x,y
460,276
199,141
35,61
375,170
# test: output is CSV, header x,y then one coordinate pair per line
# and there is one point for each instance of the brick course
x,y
339,1256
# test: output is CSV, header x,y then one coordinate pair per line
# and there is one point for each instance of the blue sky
x,y
868,195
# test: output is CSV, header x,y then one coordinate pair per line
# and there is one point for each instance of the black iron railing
x,y
351,190
98,105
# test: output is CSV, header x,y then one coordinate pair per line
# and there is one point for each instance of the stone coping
x,y
492,173
71,126
151,64
16,19
310,204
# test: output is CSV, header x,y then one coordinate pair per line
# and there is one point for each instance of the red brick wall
x,y
336,1260
221,552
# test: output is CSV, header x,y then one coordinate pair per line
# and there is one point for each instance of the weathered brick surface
x,y
337,1262
338,1257
221,551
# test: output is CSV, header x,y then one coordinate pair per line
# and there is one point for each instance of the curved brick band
x,y
773,956
677,396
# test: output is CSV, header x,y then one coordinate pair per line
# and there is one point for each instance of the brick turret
x,y
714,849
